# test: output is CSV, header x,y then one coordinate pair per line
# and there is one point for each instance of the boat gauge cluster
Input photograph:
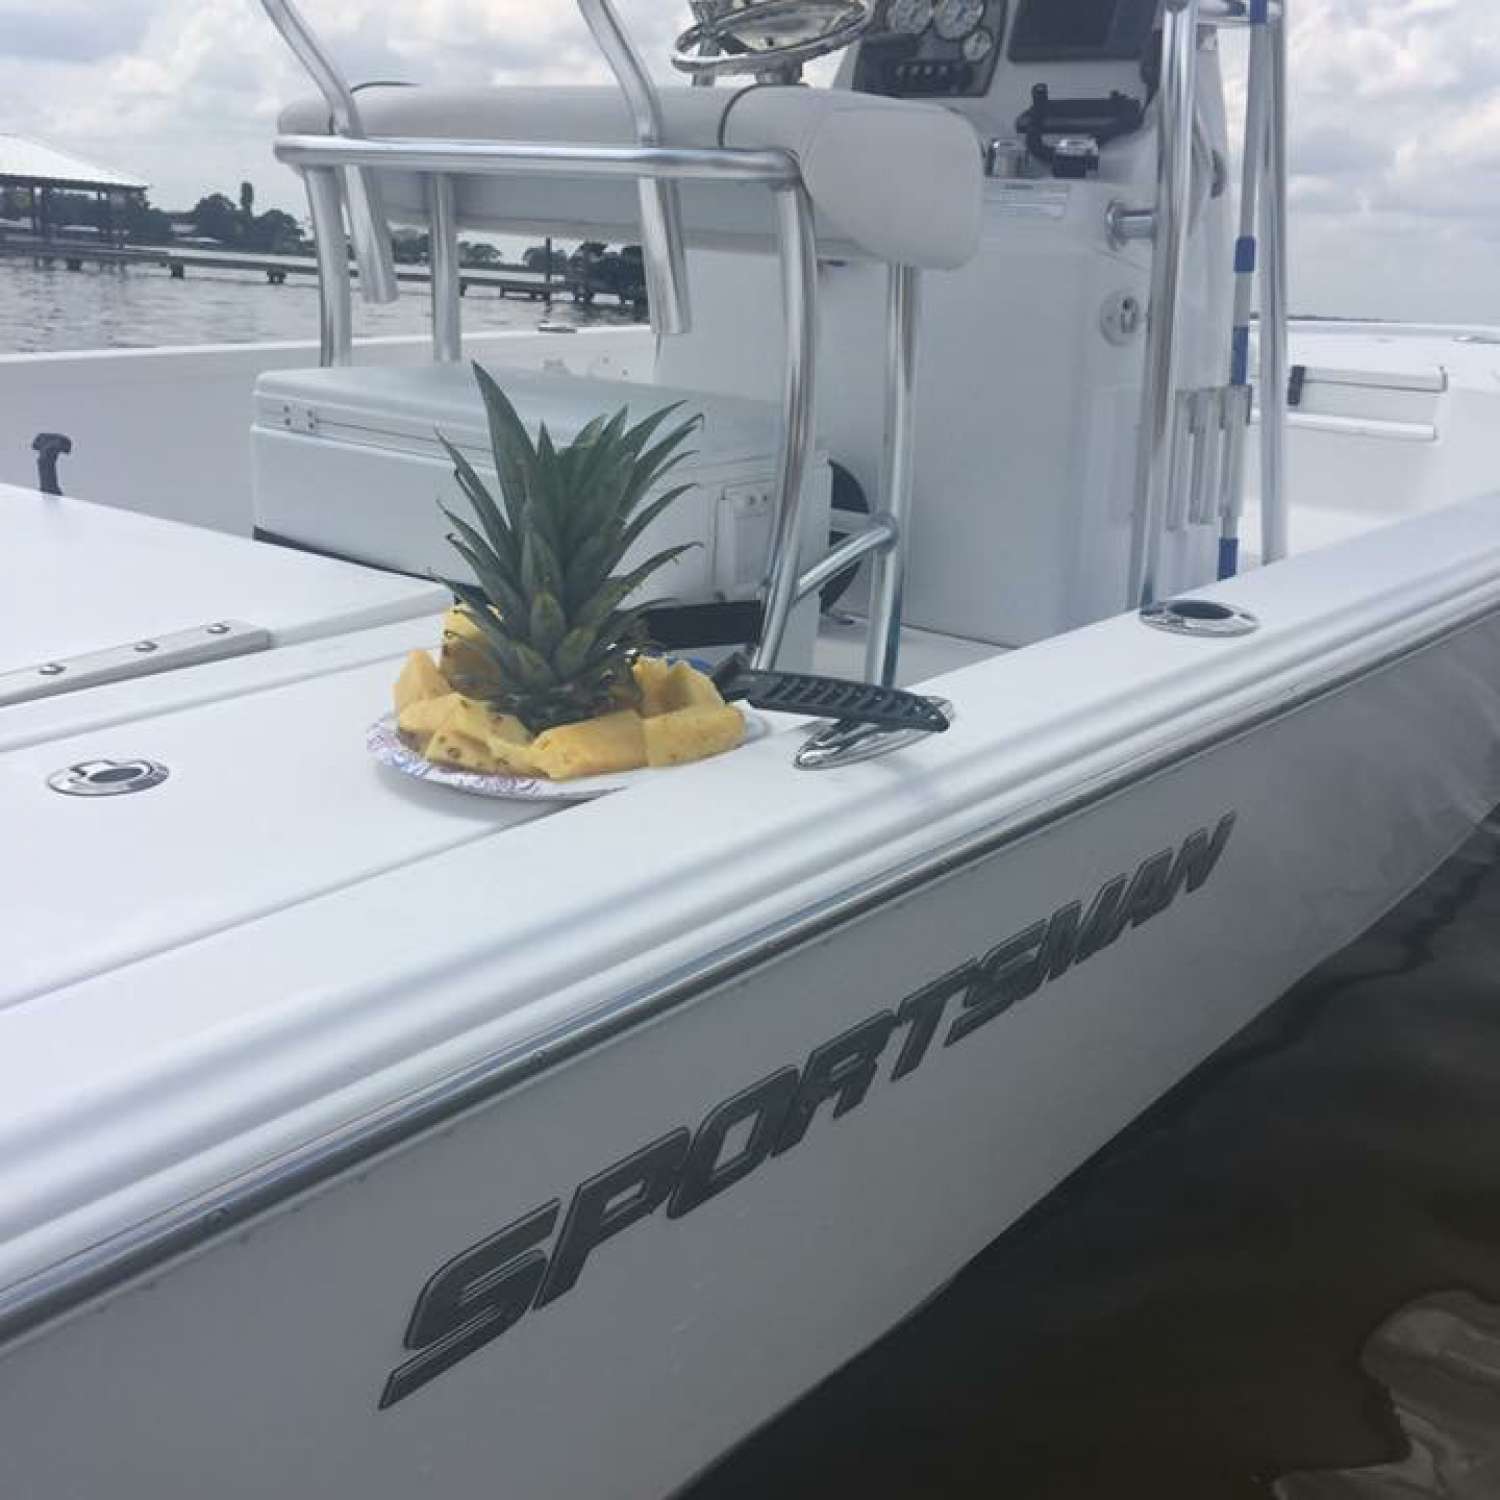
x,y
935,48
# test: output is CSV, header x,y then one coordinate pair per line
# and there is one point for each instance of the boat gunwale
x,y
41,1298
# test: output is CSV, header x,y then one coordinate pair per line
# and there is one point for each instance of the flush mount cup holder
x,y
108,778
1200,617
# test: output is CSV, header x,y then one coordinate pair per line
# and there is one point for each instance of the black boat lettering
x,y
479,1294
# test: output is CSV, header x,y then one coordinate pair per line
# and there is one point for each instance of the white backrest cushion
x,y
890,179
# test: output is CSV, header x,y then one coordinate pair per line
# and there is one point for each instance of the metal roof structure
x,y
28,163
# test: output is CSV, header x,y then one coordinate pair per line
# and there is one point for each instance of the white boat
x,y
363,1138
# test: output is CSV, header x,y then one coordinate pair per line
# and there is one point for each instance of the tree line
x,y
215,216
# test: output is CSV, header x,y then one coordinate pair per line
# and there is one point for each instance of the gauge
x,y
978,45
955,19
908,16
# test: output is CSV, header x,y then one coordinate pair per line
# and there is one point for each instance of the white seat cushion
x,y
890,179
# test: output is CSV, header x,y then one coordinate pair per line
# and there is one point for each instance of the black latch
x,y
49,447
1295,384
1100,120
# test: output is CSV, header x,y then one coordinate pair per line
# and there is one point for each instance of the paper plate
x,y
385,743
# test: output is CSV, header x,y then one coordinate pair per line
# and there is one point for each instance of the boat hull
x,y
675,1232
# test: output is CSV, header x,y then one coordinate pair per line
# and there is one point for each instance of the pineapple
x,y
420,719
651,673
464,658
471,736
694,733
689,688
419,680
547,610
594,747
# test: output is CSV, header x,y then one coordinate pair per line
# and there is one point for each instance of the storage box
x,y
347,461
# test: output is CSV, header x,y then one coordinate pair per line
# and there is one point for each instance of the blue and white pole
x,y
1246,255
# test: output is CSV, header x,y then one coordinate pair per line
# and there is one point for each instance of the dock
x,y
506,280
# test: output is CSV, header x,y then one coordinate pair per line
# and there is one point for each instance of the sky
x,y
1395,139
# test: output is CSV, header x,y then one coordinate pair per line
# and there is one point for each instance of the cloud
x,y
72,31
1395,112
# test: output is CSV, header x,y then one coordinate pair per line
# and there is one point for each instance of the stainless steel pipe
x,y
888,571
1159,405
1273,311
447,284
774,168
878,535
662,249
799,293
335,310
367,226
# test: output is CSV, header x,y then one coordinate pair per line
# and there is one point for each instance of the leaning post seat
x,y
891,180
851,176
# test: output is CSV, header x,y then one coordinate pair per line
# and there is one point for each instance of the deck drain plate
x,y
108,778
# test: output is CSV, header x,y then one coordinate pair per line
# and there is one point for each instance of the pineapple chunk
x,y
419,680
451,747
510,742
465,658
692,733
464,732
687,687
463,737
593,747
421,719
666,688
651,674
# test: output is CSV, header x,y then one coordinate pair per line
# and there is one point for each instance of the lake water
x,y
46,309
1283,1283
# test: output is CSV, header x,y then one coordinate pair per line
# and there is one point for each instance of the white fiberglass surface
x,y
76,578
327,941
271,799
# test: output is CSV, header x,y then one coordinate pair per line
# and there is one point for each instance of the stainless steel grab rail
x,y
662,252
1263,194
776,170
367,225
1159,406
1273,308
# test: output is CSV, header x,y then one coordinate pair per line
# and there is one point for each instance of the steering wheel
x,y
771,39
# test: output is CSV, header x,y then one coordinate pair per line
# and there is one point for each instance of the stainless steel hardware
x,y
662,251
447,284
108,778
1005,158
776,170
182,648
1199,617
845,743
1167,226
367,226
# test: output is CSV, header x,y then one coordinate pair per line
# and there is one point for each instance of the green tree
x,y
275,232
143,223
216,218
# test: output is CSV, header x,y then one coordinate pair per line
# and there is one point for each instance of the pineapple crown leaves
x,y
545,597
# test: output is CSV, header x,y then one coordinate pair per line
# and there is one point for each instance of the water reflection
x,y
47,309
1186,1317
